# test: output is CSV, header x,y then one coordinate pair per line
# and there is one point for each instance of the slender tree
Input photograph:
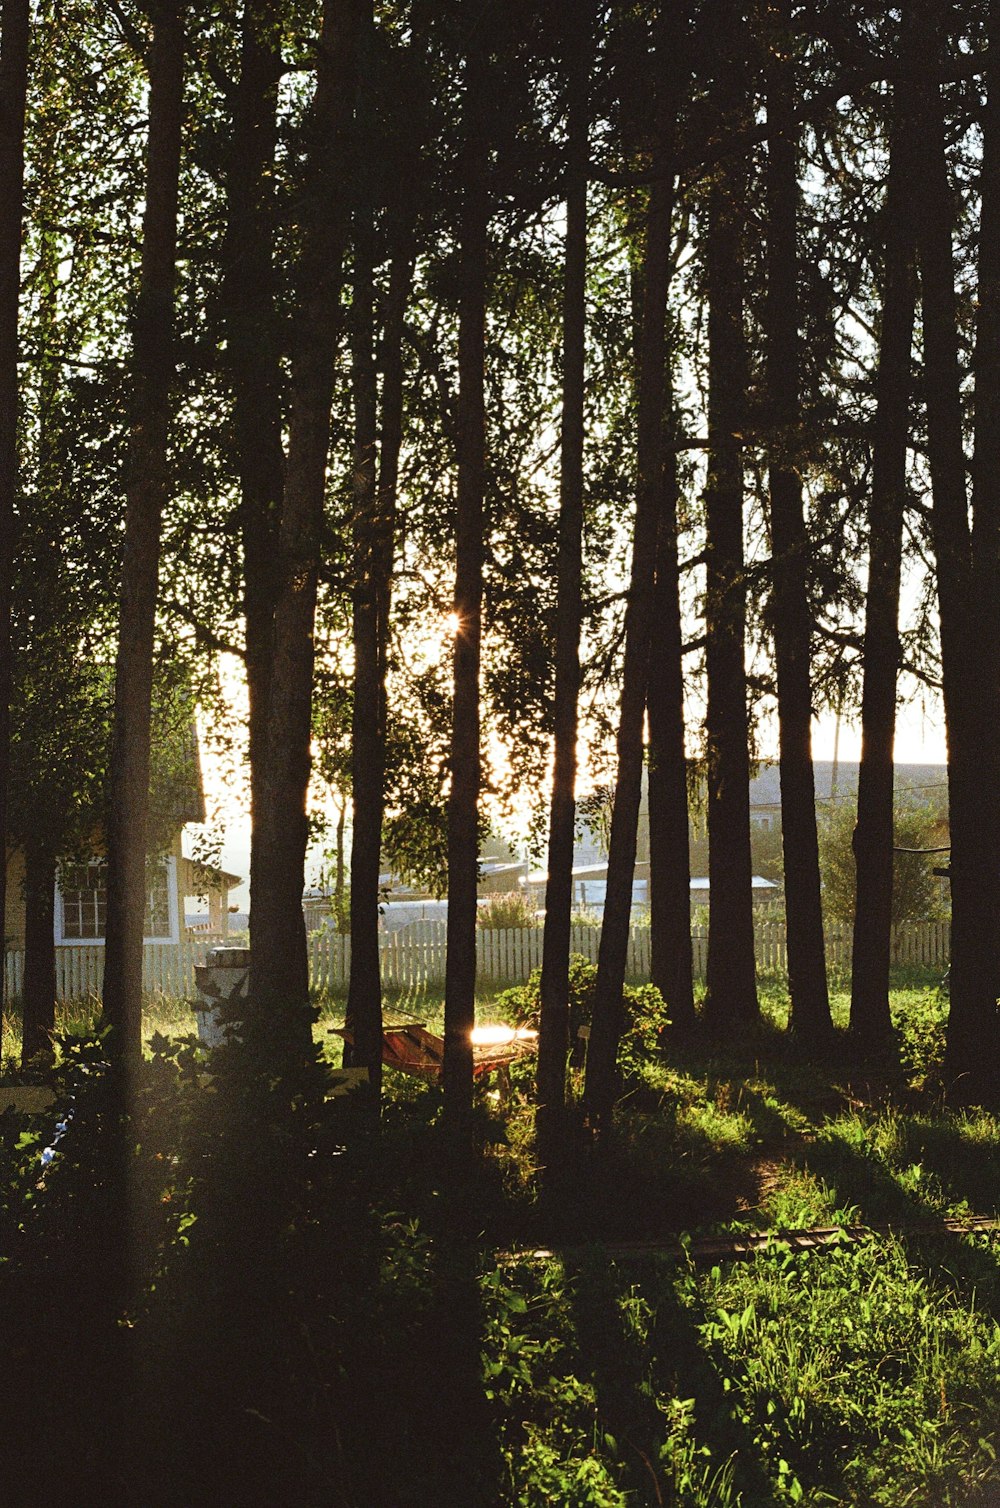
x,y
254,350
147,492
553,1027
14,22
870,1020
38,991
378,440
791,615
375,527
986,471
731,994
970,1059
465,761
607,1022
279,983
669,854
364,1001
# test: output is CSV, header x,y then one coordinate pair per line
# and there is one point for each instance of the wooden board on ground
x,y
26,1099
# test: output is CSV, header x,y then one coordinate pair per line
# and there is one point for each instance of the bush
x,y
645,1010
506,913
916,894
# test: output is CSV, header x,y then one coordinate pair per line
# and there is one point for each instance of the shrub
x,y
645,1010
916,894
506,913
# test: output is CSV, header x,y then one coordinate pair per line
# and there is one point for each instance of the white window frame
x,y
170,868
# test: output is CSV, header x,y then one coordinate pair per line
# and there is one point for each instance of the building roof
x,y
197,877
600,871
920,779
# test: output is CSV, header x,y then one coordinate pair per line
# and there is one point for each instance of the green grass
x,y
867,1373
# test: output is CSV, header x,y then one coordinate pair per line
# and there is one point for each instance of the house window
x,y
82,902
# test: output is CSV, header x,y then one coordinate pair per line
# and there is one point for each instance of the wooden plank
x,y
751,1243
26,1099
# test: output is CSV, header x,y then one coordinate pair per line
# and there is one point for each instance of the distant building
x,y
81,894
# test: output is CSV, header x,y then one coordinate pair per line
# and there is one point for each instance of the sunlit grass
x,y
866,1373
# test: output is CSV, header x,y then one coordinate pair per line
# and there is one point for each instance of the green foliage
x,y
584,917
766,851
645,1012
509,911
852,1368
916,893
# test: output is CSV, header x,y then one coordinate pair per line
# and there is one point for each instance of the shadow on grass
x,y
948,1259
644,1360
963,1152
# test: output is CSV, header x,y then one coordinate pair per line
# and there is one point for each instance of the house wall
x,y
14,911
13,923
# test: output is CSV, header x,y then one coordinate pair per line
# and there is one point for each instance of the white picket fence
x,y
167,969
413,958
509,957
919,943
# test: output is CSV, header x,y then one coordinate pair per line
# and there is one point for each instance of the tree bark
x,y
14,24
791,617
146,496
870,1021
340,917
463,799
279,983
364,999
553,1036
986,508
374,536
970,1056
607,1021
39,987
253,340
731,992
669,853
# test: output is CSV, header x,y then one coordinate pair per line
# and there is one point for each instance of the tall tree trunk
x,y
463,799
340,871
364,999
607,1022
970,1057
253,342
986,503
279,983
553,1036
38,992
13,87
374,535
731,994
791,617
870,1020
146,495
669,853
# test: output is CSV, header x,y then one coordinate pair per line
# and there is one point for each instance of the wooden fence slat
x,y
505,957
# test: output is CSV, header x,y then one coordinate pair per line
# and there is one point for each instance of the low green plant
x,y
857,1377
508,912
646,1018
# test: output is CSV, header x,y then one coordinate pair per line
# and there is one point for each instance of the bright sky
x,y
919,736
919,740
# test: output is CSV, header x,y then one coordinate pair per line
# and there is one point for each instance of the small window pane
x,y
84,891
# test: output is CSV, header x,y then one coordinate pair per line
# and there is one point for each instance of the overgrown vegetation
x,y
469,1342
508,910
